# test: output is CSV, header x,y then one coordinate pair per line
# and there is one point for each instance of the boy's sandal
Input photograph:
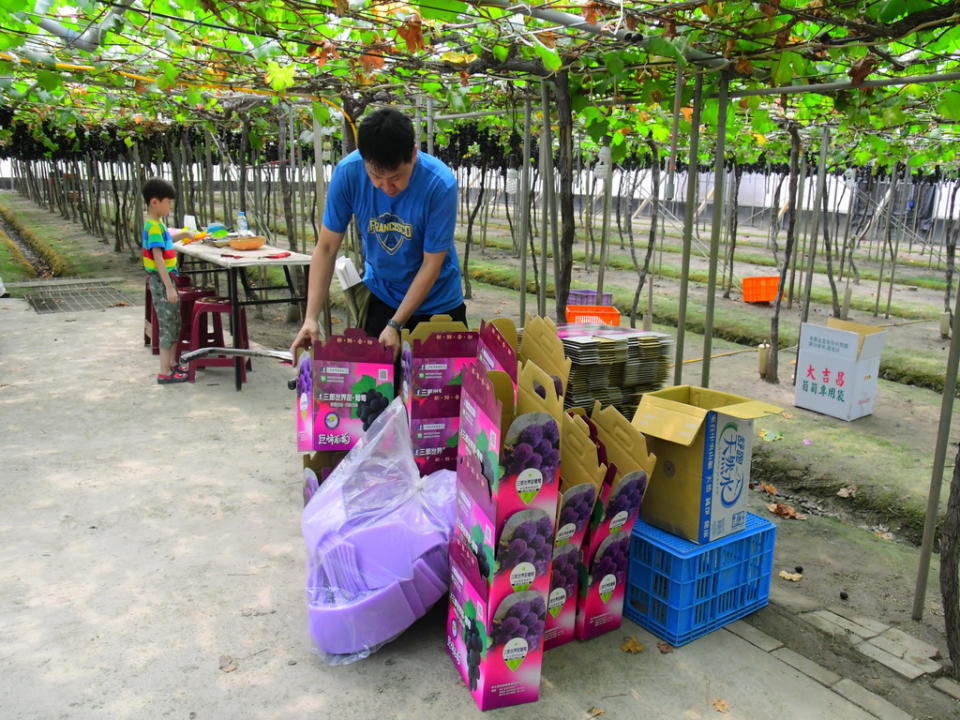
x,y
179,368
175,376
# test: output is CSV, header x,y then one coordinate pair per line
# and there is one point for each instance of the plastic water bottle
x,y
242,227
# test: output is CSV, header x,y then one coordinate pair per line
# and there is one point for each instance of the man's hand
x,y
390,338
172,294
307,336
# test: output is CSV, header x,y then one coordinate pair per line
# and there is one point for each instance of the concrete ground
x,y
152,566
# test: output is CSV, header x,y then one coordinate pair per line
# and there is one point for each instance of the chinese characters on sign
x,y
338,400
334,439
826,384
824,345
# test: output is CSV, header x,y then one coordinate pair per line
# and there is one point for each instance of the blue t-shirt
x,y
396,231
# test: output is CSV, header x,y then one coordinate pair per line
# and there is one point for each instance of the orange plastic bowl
x,y
247,243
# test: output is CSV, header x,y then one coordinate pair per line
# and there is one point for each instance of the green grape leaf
x,y
446,10
549,57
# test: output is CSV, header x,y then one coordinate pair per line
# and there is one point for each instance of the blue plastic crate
x,y
679,590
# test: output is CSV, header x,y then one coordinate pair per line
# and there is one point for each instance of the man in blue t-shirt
x,y
405,205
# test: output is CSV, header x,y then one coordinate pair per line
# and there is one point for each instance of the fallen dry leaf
x,y
721,705
665,648
593,712
768,489
632,645
787,415
846,492
782,510
227,663
792,577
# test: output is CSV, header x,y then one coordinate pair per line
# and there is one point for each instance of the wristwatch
x,y
398,326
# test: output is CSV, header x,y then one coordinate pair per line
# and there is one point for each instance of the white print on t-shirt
x,y
390,231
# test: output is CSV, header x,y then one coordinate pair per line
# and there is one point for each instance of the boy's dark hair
x,y
385,139
159,189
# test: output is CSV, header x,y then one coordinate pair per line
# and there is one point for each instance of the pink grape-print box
x,y
349,372
498,649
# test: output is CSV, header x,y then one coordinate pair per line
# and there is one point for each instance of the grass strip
x,y
821,296
13,263
54,260
866,273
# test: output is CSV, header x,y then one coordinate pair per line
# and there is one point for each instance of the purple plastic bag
x,y
377,537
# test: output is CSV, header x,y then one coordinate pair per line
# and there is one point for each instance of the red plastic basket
x,y
761,289
599,314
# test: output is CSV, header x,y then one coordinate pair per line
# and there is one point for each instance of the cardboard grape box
x,y
581,477
606,547
433,356
507,493
704,442
434,430
497,348
496,648
500,554
352,382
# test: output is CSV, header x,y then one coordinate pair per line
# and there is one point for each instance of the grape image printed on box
x,y
498,649
305,405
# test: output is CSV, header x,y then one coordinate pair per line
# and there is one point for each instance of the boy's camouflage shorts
x,y
168,313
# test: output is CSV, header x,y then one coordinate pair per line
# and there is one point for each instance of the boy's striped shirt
x,y
155,234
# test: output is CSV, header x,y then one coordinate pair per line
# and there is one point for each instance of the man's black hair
x,y
159,189
385,139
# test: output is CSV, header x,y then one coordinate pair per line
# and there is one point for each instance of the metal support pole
x,y
688,220
817,214
607,159
939,457
524,208
719,178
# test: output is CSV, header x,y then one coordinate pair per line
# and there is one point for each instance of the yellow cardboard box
x,y
703,440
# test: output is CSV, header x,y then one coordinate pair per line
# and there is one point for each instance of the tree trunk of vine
x,y
771,375
652,237
567,230
949,559
467,290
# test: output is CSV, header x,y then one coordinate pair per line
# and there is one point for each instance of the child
x,y
160,262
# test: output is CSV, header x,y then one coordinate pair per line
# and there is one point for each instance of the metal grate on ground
x,y
73,297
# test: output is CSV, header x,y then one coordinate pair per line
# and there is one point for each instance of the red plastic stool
x,y
203,335
188,296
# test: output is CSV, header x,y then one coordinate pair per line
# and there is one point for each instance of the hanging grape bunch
x,y
629,496
612,562
524,619
305,376
474,644
565,571
531,542
577,508
536,447
369,409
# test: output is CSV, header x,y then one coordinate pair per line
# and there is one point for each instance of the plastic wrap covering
x,y
377,536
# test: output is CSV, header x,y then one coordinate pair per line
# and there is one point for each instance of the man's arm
x,y
417,292
318,289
